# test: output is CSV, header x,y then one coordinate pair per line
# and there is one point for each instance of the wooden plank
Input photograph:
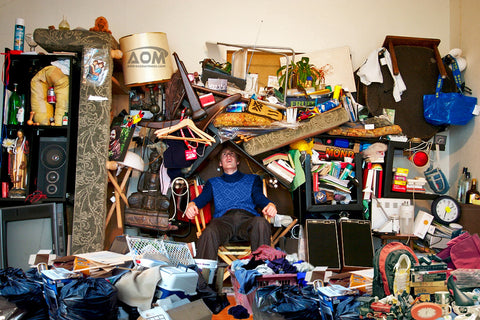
x,y
316,125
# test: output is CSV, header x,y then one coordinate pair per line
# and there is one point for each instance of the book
x,y
332,179
315,181
286,165
328,186
274,157
280,171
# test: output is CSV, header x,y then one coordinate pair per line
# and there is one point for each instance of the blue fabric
x,y
239,312
220,189
246,280
281,265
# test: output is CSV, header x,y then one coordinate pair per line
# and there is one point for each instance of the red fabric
x,y
265,252
465,254
445,253
207,210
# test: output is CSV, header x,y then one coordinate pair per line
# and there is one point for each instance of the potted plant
x,y
299,73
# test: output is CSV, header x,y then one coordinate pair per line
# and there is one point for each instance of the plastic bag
x,y
24,293
88,299
452,108
287,301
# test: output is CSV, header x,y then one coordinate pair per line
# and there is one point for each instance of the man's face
x,y
228,160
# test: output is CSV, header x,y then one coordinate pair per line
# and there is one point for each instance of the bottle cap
x,y
20,21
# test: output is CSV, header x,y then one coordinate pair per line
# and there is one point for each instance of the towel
x,y
371,71
137,288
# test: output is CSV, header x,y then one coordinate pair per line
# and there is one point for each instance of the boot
x,y
460,298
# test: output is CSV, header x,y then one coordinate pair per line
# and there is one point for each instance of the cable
x,y
177,184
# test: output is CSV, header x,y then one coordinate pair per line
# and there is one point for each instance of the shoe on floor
x,y
401,281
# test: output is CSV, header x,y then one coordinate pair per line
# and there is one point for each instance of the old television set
x,y
27,229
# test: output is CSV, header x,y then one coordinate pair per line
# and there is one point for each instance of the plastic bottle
x,y
461,185
346,172
472,193
14,104
407,216
19,37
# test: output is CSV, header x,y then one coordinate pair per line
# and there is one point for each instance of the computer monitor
x,y
27,229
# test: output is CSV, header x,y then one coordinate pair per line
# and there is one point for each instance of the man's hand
x,y
192,210
270,210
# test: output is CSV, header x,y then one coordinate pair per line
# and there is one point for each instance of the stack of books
x,y
329,182
416,185
281,165
399,183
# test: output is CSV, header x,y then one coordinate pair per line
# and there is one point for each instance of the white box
x,y
423,220
175,279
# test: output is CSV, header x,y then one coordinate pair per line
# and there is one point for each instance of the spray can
x,y
19,34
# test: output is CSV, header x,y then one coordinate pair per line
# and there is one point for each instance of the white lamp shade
x,y
146,58
133,160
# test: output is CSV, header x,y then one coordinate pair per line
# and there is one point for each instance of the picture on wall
x,y
120,136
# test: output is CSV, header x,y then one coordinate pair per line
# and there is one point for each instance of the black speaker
x,y
322,243
356,243
52,166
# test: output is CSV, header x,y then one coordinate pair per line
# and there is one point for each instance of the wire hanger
x,y
185,123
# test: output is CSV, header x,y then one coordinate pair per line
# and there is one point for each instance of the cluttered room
x,y
243,179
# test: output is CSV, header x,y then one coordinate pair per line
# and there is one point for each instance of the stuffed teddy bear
x,y
101,24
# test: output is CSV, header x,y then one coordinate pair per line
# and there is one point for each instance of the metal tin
x,y
51,96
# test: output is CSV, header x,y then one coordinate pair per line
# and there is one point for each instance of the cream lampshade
x,y
147,61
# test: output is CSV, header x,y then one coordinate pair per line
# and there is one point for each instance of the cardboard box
x,y
196,310
42,256
53,282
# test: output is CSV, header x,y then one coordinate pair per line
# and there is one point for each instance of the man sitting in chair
x,y
236,197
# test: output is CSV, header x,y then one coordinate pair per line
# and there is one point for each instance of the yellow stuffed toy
x,y
50,76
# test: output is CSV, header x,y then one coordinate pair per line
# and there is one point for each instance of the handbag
x,y
452,108
435,177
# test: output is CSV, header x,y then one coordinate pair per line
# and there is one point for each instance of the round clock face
x,y
426,311
446,209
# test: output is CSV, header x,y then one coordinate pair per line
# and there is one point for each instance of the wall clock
x,y
446,210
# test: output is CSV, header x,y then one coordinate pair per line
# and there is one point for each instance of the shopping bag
x,y
452,108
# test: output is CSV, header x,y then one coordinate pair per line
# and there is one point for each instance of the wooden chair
x,y
233,251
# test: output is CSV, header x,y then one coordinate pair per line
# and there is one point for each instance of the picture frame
x,y
120,137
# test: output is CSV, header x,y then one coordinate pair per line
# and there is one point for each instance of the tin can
x,y
51,96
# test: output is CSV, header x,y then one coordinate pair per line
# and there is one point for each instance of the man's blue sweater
x,y
233,191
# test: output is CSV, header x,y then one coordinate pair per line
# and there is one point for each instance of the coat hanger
x,y
185,123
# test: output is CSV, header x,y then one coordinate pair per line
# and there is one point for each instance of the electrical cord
x,y
177,183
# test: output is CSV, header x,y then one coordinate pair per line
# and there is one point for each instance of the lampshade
x,y
133,160
146,58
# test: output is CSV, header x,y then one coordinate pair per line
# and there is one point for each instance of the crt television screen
x,y
27,229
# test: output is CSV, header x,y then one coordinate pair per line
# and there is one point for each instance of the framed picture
x,y
120,136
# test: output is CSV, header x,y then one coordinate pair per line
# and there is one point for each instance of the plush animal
x,y
101,24
375,152
50,76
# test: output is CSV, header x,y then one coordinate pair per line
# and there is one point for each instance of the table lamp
x,y
147,61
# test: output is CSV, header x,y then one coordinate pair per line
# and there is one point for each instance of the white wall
x,y
464,150
303,25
